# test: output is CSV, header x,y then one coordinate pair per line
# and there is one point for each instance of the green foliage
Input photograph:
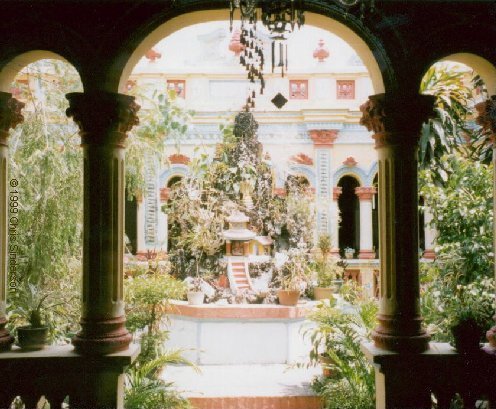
x,y
294,274
147,300
338,336
161,119
145,391
445,302
462,216
446,132
326,268
46,160
300,218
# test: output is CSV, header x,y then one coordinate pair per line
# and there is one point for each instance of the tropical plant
x,y
338,336
146,390
161,120
46,160
448,130
462,211
446,301
294,273
147,298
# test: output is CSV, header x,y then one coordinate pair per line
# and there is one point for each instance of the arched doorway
x,y
349,210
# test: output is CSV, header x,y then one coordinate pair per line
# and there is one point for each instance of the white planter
x,y
195,297
349,254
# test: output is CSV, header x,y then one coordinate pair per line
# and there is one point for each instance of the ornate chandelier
x,y
280,17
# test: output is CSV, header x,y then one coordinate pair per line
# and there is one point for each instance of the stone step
x,y
274,386
261,402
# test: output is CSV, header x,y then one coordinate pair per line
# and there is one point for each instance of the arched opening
x,y
456,185
209,80
311,19
174,180
349,209
46,167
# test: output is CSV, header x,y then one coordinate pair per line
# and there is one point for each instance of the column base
x,y
102,337
6,340
429,254
367,254
335,252
400,335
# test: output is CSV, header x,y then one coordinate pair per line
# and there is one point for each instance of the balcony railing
x,y
57,375
434,378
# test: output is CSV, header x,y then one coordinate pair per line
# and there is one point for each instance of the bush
x,y
338,336
147,299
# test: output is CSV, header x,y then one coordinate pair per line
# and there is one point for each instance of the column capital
x,y
323,138
103,117
10,115
336,192
365,192
396,118
486,117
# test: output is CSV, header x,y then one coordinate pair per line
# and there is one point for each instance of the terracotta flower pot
x,y
195,297
325,362
323,293
223,281
32,339
288,297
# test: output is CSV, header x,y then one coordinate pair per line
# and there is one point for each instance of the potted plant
x,y
327,270
349,252
468,327
195,294
293,277
469,320
32,308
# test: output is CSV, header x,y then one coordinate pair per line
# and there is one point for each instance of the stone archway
x,y
317,20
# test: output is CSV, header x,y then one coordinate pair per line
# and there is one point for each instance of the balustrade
x,y
58,374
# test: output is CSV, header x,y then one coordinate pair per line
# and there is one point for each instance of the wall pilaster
x,y
335,217
396,121
323,140
104,120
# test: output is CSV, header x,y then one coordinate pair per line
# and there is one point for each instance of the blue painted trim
x,y
374,169
173,170
306,171
354,171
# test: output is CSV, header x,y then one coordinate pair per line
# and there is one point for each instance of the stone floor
x,y
274,386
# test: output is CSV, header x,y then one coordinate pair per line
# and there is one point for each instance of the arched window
x,y
174,180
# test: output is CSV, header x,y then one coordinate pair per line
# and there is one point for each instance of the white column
x,y
140,227
335,217
430,235
365,195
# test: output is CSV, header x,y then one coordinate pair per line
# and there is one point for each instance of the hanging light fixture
x,y
280,17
